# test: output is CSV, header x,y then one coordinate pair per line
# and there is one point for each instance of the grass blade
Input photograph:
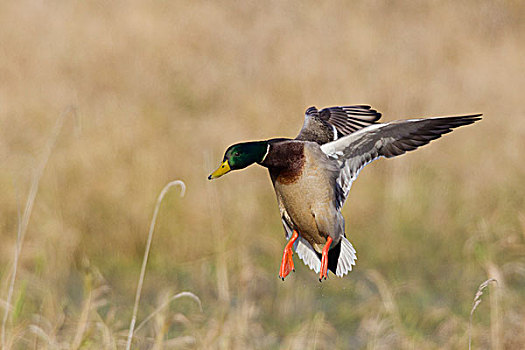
x,y
146,255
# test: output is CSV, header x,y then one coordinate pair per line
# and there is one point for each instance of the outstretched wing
x,y
356,150
332,123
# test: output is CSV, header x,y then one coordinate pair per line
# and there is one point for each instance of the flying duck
x,y
312,174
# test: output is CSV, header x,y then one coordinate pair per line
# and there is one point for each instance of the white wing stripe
x,y
341,143
335,132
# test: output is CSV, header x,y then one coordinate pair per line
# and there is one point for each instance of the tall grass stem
x,y
24,221
166,303
146,255
475,303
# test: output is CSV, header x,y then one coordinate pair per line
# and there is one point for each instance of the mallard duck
x,y
312,174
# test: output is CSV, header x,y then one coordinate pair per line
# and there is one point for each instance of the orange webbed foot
x,y
324,260
287,262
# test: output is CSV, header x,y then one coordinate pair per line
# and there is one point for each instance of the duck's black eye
x,y
236,154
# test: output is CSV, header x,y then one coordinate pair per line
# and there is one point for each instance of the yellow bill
x,y
223,169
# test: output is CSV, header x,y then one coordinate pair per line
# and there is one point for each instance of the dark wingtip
x,y
476,116
311,110
461,120
473,116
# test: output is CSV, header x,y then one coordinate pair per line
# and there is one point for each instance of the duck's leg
x,y
287,262
324,259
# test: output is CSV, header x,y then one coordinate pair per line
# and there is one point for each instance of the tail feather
x,y
341,257
307,254
347,258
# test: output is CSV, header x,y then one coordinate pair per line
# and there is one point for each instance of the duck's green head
x,y
240,155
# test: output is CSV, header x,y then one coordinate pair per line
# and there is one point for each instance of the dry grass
x,y
475,304
146,255
162,88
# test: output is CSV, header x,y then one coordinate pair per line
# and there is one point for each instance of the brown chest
x,y
286,161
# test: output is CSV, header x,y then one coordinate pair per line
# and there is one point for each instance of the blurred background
x,y
126,96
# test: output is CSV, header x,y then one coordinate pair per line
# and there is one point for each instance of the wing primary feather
x,y
356,150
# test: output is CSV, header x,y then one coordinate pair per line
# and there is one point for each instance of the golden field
x,y
102,104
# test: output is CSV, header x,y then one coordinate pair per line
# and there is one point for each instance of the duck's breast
x,y
308,196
